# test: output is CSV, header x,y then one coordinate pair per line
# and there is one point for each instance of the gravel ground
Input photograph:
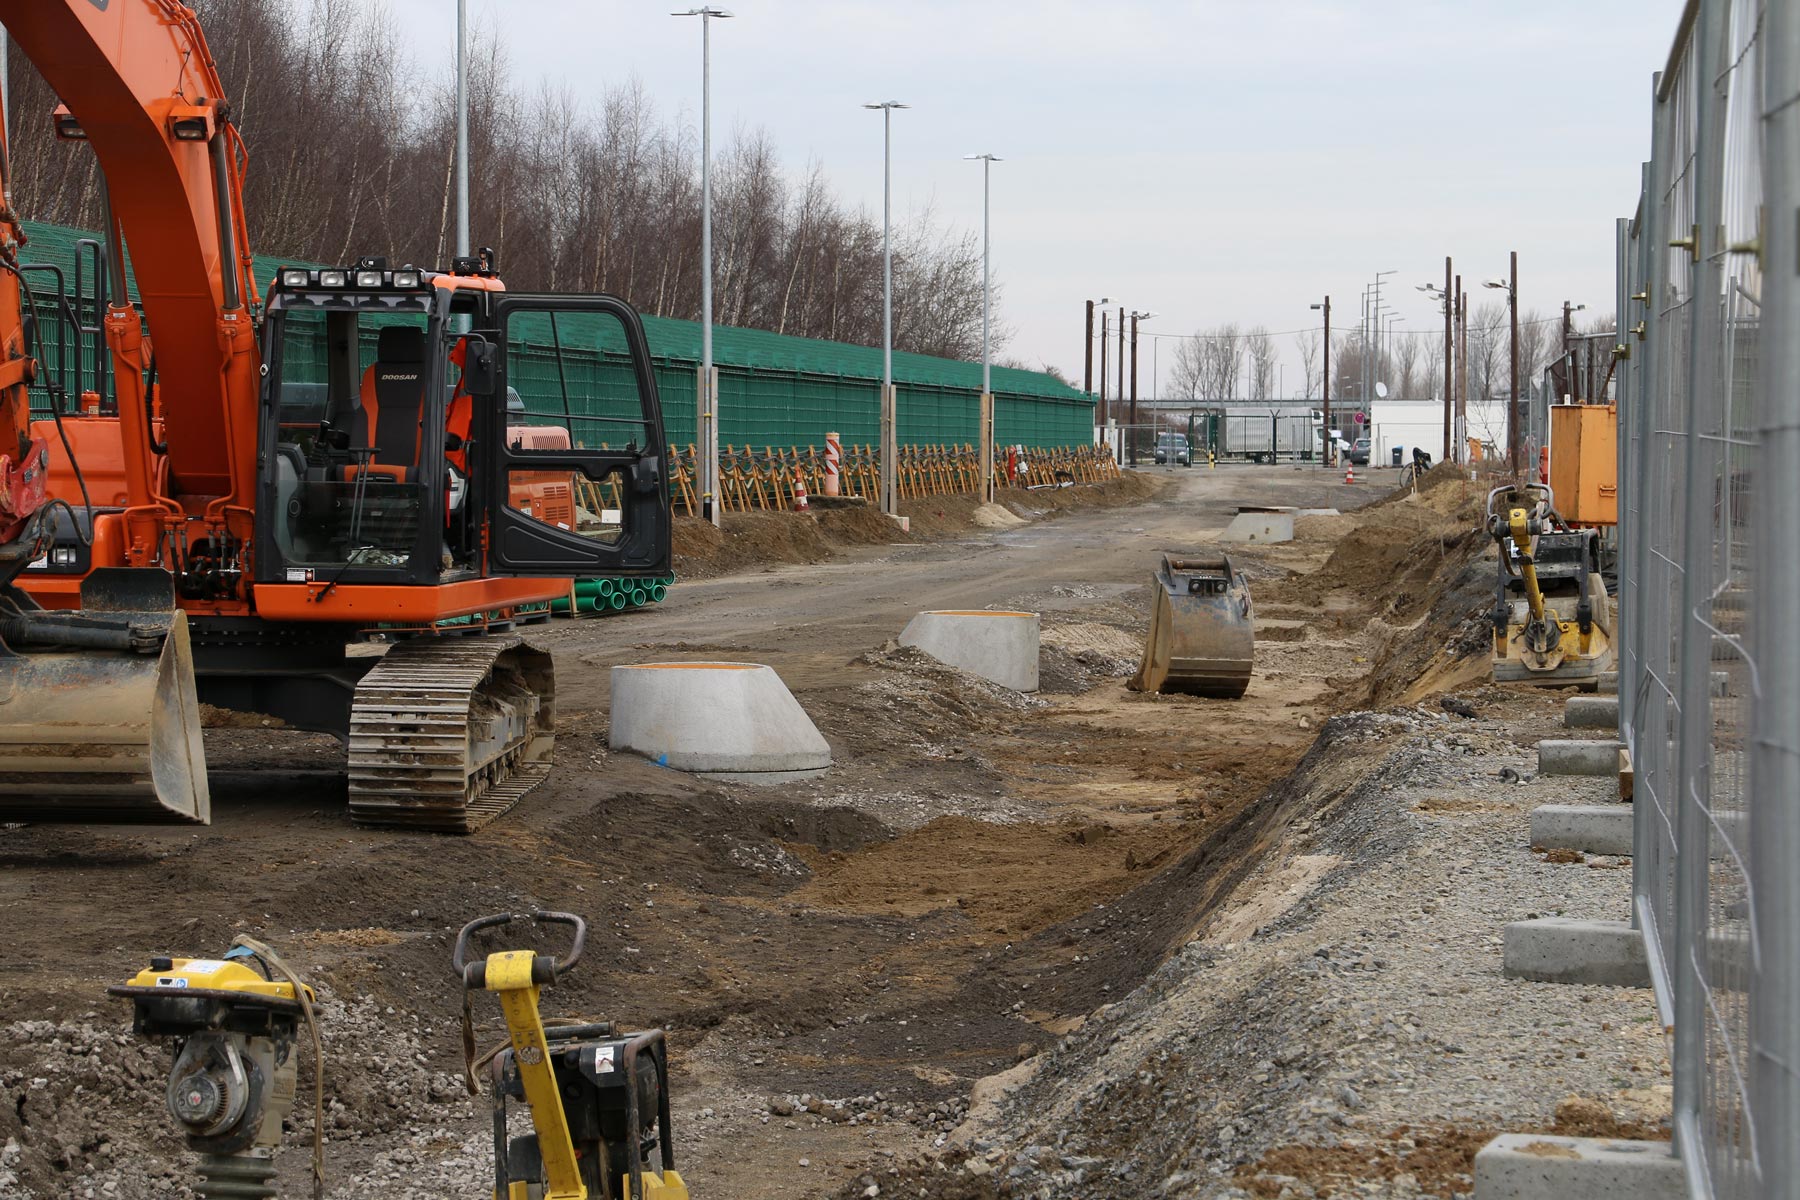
x,y
1345,1028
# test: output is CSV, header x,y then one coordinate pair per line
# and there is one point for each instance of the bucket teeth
x,y
1202,637
446,735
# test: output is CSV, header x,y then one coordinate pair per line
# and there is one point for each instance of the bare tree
x,y
352,154
1263,359
1308,344
1406,361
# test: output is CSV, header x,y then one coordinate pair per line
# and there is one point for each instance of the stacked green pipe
x,y
613,594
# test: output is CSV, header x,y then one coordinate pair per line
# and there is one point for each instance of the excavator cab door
x,y
577,482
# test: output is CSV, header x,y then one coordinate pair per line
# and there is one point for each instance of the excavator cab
x,y
423,432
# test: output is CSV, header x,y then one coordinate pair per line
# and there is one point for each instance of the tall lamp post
x,y
462,125
1511,284
1325,429
707,411
890,438
987,294
1443,296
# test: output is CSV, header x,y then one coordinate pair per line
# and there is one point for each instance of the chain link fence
x,y
1709,466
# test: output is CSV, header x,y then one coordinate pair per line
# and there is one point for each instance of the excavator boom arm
x,y
140,86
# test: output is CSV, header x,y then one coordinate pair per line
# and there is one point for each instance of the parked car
x,y
1173,447
1359,452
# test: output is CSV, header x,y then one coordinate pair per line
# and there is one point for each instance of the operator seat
x,y
393,402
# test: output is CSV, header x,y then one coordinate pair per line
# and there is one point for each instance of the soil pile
x,y
756,539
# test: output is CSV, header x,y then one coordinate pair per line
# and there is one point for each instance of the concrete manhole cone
x,y
731,720
998,645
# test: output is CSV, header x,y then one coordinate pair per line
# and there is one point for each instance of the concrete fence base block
x,y
1589,828
1570,757
1591,712
1538,1166
999,646
1563,950
715,718
1607,683
1260,527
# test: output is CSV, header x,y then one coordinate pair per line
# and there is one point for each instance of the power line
x,y
1240,335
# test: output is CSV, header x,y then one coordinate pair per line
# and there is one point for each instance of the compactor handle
x,y
544,968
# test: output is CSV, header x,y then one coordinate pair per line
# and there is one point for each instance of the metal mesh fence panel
x,y
1710,510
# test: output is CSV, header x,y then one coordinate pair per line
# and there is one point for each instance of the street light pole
x,y
987,294
890,438
707,391
1449,338
1326,438
462,128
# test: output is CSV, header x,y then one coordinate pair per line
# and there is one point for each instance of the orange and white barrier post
x,y
834,459
800,504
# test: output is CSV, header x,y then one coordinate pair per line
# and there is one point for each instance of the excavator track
x,y
448,733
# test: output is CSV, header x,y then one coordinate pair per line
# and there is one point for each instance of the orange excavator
x,y
333,503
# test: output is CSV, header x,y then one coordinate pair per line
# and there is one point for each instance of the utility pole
x,y
1105,340
1449,341
1132,435
1326,437
1121,392
1462,371
1568,356
1512,412
1087,370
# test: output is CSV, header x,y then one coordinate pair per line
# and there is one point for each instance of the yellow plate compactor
x,y
1552,616
1202,637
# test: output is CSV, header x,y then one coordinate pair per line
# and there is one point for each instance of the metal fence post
x,y
1774,817
1625,623
1652,831
1694,737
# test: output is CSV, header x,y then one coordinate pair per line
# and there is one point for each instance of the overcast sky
x,y
1226,160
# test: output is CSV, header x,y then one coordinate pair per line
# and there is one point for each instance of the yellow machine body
x,y
1552,622
514,977
210,975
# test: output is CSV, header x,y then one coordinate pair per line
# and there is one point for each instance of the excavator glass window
x,y
352,482
578,481
574,378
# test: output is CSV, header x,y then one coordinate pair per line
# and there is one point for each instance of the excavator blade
x,y
104,735
1202,637
448,733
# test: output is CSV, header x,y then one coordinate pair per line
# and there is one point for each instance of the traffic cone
x,y
1349,473
800,493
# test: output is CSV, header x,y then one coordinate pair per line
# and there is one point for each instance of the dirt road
x,y
978,872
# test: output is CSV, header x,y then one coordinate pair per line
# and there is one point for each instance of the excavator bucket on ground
x,y
98,716
1202,637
